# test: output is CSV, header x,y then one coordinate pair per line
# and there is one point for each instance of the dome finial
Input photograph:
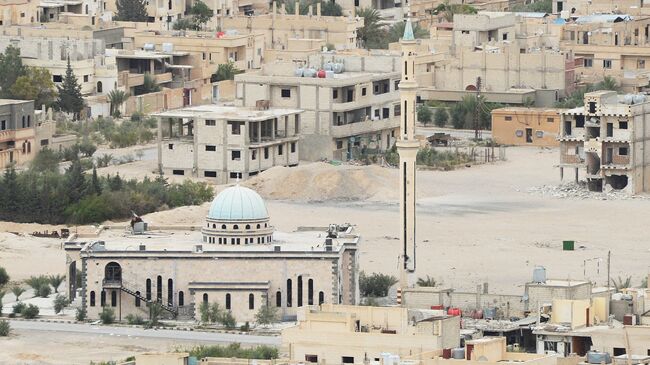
x,y
408,31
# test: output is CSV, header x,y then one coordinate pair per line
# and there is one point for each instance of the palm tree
x,y
371,34
225,71
55,281
116,98
427,282
17,290
608,83
622,283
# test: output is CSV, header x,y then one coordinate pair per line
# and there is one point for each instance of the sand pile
x,y
321,181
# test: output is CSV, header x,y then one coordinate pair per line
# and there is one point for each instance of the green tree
x,y
228,320
107,315
95,185
396,32
55,281
4,277
328,8
447,10
225,71
80,315
116,98
201,13
70,99
5,328
36,84
11,68
132,11
149,85
441,117
155,311
17,291
204,312
76,181
186,24
60,302
266,315
424,114
376,284
371,35
539,6
216,313
457,114
9,192
427,281
608,83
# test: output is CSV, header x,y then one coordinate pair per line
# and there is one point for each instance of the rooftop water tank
x,y
539,275
329,74
299,72
458,353
309,72
321,74
595,357
329,66
149,47
639,98
168,47
337,68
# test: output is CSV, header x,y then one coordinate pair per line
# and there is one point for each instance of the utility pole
x,y
477,108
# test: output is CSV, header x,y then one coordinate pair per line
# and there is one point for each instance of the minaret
x,y
407,148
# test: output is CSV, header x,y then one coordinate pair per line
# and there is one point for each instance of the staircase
x,y
125,287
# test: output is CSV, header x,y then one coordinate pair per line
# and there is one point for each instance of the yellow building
x,y
526,126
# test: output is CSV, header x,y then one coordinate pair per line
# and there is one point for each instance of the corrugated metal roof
x,y
603,18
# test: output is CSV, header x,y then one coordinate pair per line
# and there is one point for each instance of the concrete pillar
x,y
318,10
561,173
310,11
297,9
577,171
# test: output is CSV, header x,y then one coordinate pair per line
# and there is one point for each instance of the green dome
x,y
238,203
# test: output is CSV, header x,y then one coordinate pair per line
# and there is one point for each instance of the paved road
x,y
140,332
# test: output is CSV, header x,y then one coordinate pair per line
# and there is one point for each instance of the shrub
x,y
81,314
30,312
55,281
441,117
107,315
18,308
4,277
44,291
375,285
233,350
266,315
17,291
60,302
134,319
228,320
36,282
5,328
245,327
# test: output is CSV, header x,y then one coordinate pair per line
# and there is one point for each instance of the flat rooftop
x,y
13,101
227,112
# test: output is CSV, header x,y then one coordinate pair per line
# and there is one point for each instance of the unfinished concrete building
x,y
610,139
345,113
226,144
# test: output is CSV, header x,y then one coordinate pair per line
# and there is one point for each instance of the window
x,y
289,292
210,122
622,151
99,87
363,91
159,288
57,78
347,359
310,292
278,299
102,299
235,128
205,297
505,36
148,288
170,146
588,62
253,154
251,301
170,291
335,94
299,285
507,118
622,125
397,110
45,142
280,150
85,78
266,153
235,155
181,298
293,147
607,63
92,298
209,174
396,84
640,64
178,172
550,120
210,148
285,93
137,298
339,145
321,298
235,175
228,304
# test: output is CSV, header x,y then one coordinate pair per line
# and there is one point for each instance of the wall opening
x,y
617,182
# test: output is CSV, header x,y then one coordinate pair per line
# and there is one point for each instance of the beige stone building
x,y
227,144
17,132
611,45
340,334
234,258
526,126
608,137
346,112
18,12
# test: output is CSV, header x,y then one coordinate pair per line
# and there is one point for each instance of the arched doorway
x,y
470,88
113,272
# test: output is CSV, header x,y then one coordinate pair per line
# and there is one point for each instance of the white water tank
x,y
168,47
539,275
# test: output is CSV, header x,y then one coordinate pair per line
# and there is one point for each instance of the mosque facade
x,y
235,258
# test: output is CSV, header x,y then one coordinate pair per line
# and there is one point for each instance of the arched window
x,y
181,298
214,225
102,299
170,291
205,297
92,298
321,298
159,288
24,124
113,298
248,226
278,299
137,299
223,226
289,289
113,272
235,226
299,285
100,87
228,305
246,241
148,288
258,226
310,292
251,301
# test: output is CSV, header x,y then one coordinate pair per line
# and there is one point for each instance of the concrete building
x,y
526,126
345,114
18,12
227,144
17,132
612,45
234,258
337,334
608,137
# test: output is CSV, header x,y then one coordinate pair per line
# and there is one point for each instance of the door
x,y
608,157
610,129
529,135
567,128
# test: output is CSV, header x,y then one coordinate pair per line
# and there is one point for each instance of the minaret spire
x,y
407,148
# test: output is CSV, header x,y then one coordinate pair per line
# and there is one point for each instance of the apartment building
x,y
227,144
610,139
611,45
345,113
18,12
17,132
526,126
580,7
279,28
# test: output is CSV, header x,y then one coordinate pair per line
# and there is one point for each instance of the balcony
x,y
112,283
370,126
162,78
365,101
8,135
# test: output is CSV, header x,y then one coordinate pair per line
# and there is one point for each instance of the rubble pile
x,y
580,191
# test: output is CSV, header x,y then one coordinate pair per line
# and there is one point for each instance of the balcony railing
x,y
370,126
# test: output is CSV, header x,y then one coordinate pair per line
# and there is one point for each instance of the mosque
x,y
235,258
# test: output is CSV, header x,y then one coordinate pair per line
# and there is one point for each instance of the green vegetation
x,y
107,315
132,11
50,197
199,15
70,99
370,35
17,291
40,284
148,86
225,71
427,281
4,277
233,350
424,114
19,307
137,130
376,284
215,314
155,311
576,98
441,117
11,67
117,98
30,312
328,8
25,83
134,319
539,6
447,10
80,315
621,283
2,294
445,160
266,315
396,31
55,281
60,302
463,113
5,328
